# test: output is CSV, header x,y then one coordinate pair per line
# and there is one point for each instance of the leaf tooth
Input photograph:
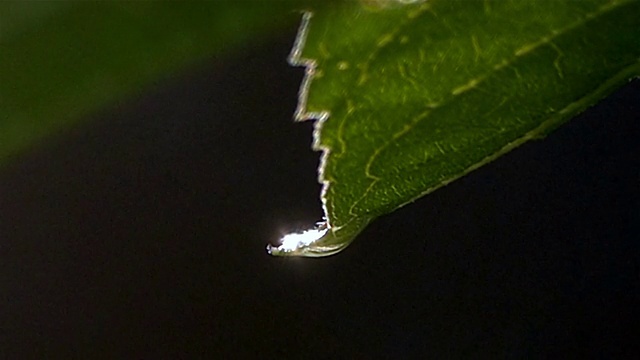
x,y
310,65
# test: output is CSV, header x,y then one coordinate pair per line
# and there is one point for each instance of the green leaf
x,y
411,95
61,60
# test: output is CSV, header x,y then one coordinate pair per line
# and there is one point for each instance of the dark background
x,y
142,234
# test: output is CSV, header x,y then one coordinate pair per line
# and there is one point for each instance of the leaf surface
x,y
411,95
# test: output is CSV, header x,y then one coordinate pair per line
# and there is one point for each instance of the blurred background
x,y
134,219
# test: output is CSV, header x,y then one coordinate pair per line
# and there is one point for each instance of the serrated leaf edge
x,y
301,114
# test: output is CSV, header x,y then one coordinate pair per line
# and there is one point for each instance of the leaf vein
x,y
456,92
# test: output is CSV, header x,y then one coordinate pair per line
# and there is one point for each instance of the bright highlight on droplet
x,y
296,241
